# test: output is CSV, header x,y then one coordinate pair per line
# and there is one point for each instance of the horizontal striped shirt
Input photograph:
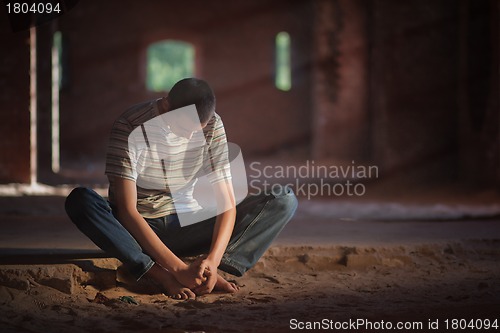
x,y
164,166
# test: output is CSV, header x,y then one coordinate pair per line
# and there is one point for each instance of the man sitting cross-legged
x,y
141,225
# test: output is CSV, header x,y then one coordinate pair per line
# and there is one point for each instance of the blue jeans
x,y
259,219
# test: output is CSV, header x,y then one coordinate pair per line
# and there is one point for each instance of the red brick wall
x,y
377,81
14,105
413,85
479,116
340,84
235,40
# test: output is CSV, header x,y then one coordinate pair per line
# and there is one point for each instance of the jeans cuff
x,y
145,270
232,267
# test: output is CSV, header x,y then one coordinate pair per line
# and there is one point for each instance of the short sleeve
x,y
121,159
217,163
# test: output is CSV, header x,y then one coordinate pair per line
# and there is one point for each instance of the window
x,y
283,74
57,75
168,61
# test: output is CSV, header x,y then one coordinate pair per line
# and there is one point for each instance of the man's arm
x,y
126,205
224,225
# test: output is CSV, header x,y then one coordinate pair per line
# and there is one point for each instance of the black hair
x,y
193,91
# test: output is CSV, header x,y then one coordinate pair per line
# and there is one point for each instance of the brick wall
x,y
340,81
395,83
413,85
235,45
14,104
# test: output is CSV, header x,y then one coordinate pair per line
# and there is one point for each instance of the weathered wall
x,y
235,45
478,71
413,85
406,85
14,104
340,81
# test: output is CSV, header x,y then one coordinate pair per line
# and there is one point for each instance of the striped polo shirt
x,y
164,166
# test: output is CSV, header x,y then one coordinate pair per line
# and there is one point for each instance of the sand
x,y
412,283
427,266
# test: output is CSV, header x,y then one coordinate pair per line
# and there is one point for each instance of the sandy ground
x,y
411,284
412,270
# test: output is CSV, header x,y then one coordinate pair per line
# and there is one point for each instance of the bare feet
x,y
223,286
170,285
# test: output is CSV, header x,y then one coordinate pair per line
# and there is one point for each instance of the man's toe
x,y
190,294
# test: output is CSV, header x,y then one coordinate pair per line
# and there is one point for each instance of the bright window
x,y
168,61
57,75
283,75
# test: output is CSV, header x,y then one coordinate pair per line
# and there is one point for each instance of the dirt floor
x,y
418,262
289,287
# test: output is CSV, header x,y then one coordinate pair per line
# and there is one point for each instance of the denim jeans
x,y
259,219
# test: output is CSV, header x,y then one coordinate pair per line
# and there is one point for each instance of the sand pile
x,y
302,282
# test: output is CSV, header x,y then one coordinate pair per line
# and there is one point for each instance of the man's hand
x,y
190,275
208,269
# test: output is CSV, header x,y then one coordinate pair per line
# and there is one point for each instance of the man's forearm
x,y
223,229
224,223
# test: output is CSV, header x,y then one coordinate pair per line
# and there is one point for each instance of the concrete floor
x,y
35,228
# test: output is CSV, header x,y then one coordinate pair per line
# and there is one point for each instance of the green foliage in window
x,y
168,61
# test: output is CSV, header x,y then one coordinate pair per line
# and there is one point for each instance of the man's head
x,y
193,91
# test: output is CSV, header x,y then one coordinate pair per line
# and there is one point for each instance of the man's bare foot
x,y
220,285
225,286
170,285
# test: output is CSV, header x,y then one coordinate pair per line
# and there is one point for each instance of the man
x,y
156,154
